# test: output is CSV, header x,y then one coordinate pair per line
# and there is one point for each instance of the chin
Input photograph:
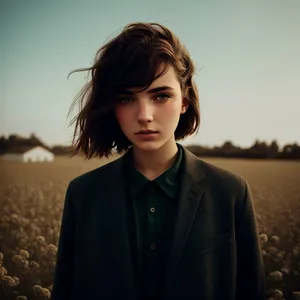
x,y
148,146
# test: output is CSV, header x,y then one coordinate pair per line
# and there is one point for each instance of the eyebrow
x,y
152,91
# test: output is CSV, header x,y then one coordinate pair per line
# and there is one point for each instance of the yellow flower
x,y
51,250
45,293
17,259
274,240
285,271
41,240
34,266
263,238
50,287
14,219
14,216
3,270
24,264
9,281
272,250
277,293
37,288
16,279
279,257
276,276
295,252
24,253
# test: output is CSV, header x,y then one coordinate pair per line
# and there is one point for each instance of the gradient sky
x,y
247,55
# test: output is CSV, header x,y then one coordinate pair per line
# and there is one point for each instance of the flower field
x,y
31,203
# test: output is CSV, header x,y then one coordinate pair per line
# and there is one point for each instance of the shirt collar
x,y
167,181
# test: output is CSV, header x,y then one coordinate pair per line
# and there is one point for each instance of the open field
x,y
31,202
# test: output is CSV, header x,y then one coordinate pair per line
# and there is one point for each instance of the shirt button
x,y
153,290
153,246
152,209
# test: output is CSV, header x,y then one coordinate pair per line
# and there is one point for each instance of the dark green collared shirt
x,y
151,210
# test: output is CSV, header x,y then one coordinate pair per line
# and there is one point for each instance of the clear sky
x,y
247,55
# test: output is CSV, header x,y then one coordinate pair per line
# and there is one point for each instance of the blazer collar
x,y
168,181
192,164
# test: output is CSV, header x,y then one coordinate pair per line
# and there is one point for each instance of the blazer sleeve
x,y
250,276
63,274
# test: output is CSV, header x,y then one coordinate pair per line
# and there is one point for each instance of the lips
x,y
146,132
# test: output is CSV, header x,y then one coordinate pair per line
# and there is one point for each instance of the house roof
x,y
22,149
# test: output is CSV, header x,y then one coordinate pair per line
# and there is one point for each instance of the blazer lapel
x,y
189,200
120,249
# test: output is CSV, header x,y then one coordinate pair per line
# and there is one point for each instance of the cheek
x,y
173,110
121,115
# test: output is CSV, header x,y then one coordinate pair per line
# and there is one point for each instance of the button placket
x,y
153,246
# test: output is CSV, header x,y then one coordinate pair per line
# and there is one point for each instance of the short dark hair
x,y
131,59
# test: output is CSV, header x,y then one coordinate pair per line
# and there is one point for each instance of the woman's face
x,y
156,110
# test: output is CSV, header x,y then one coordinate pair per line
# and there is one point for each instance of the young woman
x,y
158,222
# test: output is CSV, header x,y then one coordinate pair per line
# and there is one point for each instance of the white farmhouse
x,y
29,154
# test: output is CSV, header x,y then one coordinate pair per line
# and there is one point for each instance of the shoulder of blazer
x,y
98,176
216,177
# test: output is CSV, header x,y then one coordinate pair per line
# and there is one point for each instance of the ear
x,y
185,105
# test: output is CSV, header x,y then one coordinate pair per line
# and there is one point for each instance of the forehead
x,y
168,78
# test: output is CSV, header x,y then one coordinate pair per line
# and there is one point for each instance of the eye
x,y
124,100
163,97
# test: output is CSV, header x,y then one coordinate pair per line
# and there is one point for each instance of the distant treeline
x,y
259,149
15,142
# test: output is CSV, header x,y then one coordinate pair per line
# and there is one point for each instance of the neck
x,y
153,163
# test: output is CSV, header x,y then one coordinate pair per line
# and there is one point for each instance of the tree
x,y
273,149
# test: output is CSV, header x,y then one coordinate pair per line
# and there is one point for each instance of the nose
x,y
144,112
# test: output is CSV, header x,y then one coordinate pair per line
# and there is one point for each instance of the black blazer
x,y
215,253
